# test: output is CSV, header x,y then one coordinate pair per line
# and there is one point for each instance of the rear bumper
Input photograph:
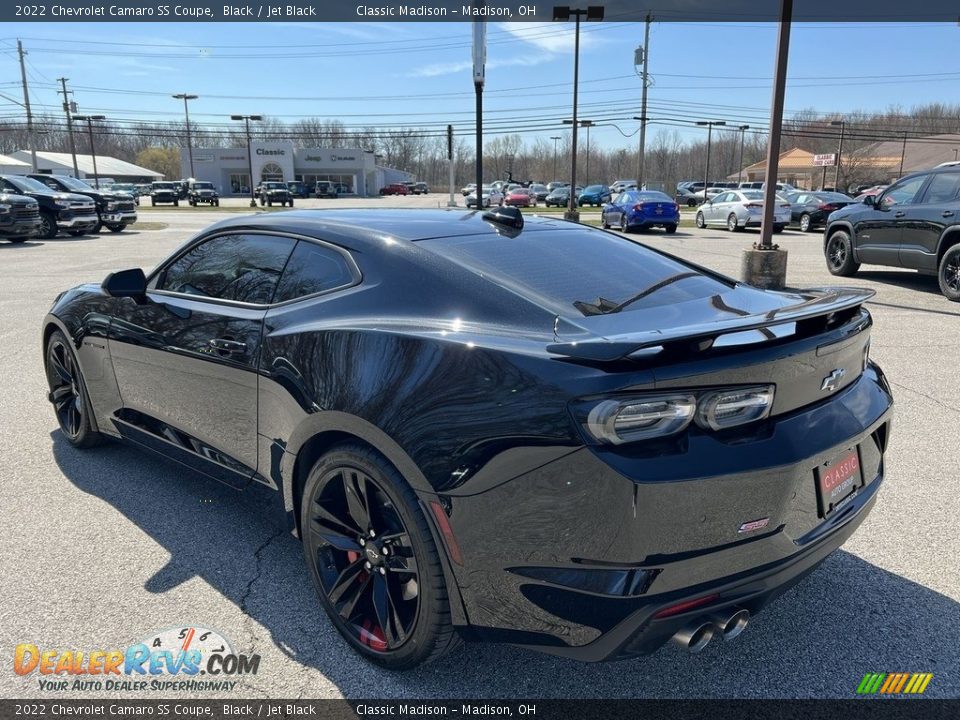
x,y
576,558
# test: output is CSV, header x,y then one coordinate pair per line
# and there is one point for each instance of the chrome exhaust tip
x,y
730,626
694,637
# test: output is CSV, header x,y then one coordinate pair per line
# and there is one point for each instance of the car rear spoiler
x,y
817,303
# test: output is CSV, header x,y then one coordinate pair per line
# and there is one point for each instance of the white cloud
x,y
451,68
553,37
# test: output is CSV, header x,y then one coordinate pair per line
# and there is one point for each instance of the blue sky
x,y
413,73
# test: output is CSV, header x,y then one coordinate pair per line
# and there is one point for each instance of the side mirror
x,y
870,200
604,206
126,283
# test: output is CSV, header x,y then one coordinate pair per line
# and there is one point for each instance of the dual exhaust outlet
x,y
695,636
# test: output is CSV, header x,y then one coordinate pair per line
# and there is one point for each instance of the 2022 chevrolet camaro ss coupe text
x,y
542,434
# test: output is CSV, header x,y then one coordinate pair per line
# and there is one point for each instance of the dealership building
x,y
354,169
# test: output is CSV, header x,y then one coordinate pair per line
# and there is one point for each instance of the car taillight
x,y
638,207
676,207
728,408
827,206
754,205
620,421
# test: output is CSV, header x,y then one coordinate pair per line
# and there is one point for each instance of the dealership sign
x,y
824,160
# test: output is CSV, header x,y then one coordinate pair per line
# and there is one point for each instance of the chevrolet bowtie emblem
x,y
829,383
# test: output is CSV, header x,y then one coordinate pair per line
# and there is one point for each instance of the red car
x,y
395,189
520,197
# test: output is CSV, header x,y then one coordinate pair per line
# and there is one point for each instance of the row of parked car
x,y
41,205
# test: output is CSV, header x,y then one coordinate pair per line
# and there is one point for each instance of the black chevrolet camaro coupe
x,y
536,433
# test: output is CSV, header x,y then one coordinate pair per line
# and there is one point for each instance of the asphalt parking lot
x,y
100,549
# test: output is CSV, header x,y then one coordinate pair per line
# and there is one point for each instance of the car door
x,y
717,206
185,359
877,231
614,211
925,220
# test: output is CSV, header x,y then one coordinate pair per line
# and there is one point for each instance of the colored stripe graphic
x,y
894,683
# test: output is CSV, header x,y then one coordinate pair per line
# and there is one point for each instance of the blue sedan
x,y
594,195
641,209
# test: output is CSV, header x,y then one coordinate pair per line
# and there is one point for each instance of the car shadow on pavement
x,y
906,279
846,619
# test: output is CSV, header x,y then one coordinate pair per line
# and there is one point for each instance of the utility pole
x,y
903,154
645,60
479,75
26,104
93,150
843,127
743,132
186,111
66,108
451,202
246,121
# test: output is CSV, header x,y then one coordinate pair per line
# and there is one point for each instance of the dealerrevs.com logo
x,y
187,658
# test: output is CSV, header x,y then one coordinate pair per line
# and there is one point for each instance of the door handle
x,y
899,214
227,345
947,213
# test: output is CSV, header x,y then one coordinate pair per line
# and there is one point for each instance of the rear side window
x,y
241,268
904,192
313,269
942,189
559,269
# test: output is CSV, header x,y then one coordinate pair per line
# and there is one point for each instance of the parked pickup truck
x,y
69,212
19,217
116,210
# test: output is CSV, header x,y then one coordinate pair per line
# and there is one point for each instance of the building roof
x,y
921,153
106,166
7,161
795,159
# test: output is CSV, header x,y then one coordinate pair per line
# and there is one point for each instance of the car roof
x,y
369,228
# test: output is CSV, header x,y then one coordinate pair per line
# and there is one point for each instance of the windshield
x,y
275,186
834,197
120,187
74,184
594,189
203,186
163,186
539,265
27,184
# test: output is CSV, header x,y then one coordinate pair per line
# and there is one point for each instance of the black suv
x,y
19,217
75,214
274,192
914,223
202,192
115,210
162,192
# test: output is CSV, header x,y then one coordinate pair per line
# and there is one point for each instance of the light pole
x,y
743,132
562,13
246,121
587,124
93,152
641,61
706,171
186,111
843,126
479,75
555,139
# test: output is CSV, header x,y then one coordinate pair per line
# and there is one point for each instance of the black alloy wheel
x,y
48,226
68,393
373,561
949,274
839,254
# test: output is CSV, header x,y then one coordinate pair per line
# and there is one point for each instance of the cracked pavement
x,y
99,549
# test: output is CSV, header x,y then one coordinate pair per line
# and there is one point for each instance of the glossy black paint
x,y
470,385
915,231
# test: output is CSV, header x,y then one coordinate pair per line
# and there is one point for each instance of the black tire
x,y
115,228
839,254
176,203
68,392
97,228
216,203
624,227
357,580
603,222
76,233
669,229
806,223
262,202
153,203
16,240
691,203
949,273
777,229
48,226
291,202
733,225
700,221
